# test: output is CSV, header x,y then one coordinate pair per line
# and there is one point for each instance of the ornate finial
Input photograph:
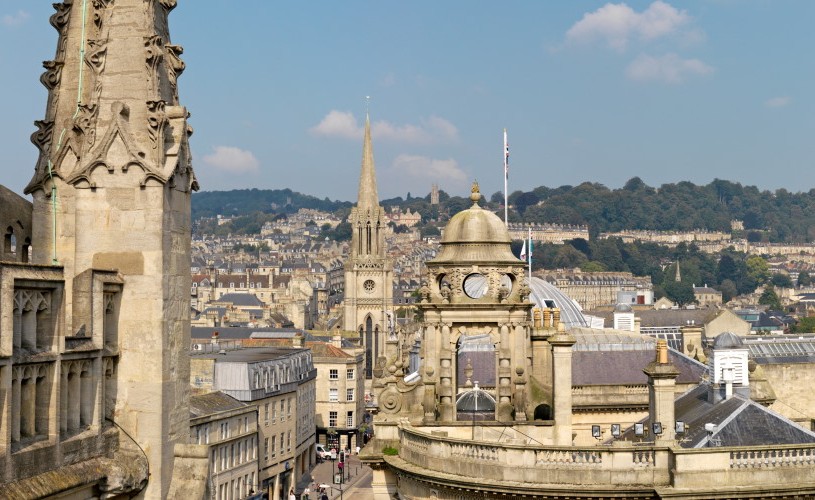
x,y
475,194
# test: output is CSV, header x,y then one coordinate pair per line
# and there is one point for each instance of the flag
x,y
506,156
530,247
523,251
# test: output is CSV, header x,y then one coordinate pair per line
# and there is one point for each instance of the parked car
x,y
321,452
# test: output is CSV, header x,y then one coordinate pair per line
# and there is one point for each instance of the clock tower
x,y
368,270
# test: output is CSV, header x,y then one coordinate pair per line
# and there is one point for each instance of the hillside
x,y
775,216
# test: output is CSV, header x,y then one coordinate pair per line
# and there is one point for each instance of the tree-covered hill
x,y
775,216
241,202
779,216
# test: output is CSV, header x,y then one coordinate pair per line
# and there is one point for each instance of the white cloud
x,y
616,24
344,124
338,124
428,168
14,19
232,160
669,68
777,102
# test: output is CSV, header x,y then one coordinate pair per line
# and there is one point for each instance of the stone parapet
x,y
669,472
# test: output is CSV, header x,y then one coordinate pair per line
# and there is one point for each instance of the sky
x,y
588,91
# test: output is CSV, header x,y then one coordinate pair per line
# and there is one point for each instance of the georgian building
x,y
279,384
230,429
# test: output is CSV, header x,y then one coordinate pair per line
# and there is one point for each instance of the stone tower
x,y
111,191
368,271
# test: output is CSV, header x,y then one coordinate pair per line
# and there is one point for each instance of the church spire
x,y
368,197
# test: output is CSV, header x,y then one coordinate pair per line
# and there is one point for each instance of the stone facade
x,y
368,270
279,384
96,326
340,400
519,441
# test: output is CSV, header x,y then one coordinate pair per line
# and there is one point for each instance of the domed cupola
x,y
476,235
475,261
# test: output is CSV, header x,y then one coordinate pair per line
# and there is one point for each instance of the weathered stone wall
x,y
15,226
791,381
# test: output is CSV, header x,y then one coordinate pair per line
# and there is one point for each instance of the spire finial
x,y
475,193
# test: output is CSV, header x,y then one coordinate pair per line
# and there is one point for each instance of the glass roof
x,y
547,295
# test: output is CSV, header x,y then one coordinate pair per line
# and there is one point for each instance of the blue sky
x,y
589,91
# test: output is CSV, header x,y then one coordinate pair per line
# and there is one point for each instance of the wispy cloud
x,y
389,80
232,160
669,68
14,19
343,124
429,168
617,24
778,102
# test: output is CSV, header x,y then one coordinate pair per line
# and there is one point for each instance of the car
x,y
321,453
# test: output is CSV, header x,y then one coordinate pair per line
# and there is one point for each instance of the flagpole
x,y
506,178
530,256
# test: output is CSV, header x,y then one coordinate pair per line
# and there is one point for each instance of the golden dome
x,y
476,234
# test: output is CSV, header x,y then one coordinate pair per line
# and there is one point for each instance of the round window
x,y
369,286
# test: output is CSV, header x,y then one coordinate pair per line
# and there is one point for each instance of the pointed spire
x,y
678,277
368,197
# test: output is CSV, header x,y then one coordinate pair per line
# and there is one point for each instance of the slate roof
x,y
739,422
625,367
241,299
611,357
669,317
213,402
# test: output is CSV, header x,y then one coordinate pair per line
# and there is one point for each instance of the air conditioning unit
x,y
197,347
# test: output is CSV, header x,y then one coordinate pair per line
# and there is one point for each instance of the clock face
x,y
369,286
476,285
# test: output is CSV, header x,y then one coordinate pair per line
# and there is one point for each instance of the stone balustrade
x,y
599,467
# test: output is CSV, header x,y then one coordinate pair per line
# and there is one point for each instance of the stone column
x,y
504,407
661,382
447,366
16,400
430,368
562,344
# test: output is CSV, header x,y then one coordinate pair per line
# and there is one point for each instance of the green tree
x,y
679,292
770,298
728,289
568,257
430,231
593,267
804,325
758,269
781,280
804,279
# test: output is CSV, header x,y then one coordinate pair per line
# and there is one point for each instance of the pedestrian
x,y
307,493
357,449
291,494
324,497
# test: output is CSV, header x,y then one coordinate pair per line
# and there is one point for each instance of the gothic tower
x,y
368,271
111,191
